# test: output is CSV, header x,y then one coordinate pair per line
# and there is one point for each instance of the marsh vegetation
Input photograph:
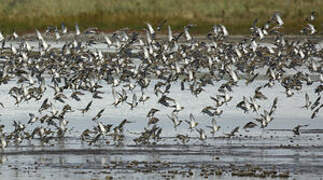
x,y
26,15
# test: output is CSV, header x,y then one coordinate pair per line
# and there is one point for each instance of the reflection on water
x,y
300,156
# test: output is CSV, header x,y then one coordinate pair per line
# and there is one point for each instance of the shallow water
x,y
302,158
274,148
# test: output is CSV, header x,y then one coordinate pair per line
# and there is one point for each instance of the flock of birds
x,y
180,58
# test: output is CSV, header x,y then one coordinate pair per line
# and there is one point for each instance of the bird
x,y
3,142
233,132
77,30
249,125
174,118
170,34
183,138
32,118
152,120
202,135
1,37
259,95
151,30
87,108
98,115
177,107
63,28
214,128
316,103
134,102
297,128
159,27
316,111
152,112
276,17
307,101
192,122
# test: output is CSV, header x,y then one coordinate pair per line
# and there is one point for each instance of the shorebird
x,y
259,95
192,122
224,30
249,125
77,30
316,103
202,134
233,132
307,101
45,105
3,142
214,128
1,37
152,112
87,108
152,120
170,34
57,35
98,115
174,118
39,36
245,105
134,102
311,17
297,128
63,28
151,30
316,111
208,110
32,118
177,107
188,37
161,24
183,138
276,17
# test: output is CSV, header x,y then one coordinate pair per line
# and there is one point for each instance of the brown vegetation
x,y
110,15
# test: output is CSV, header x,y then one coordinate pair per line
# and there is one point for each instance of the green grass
x,y
110,15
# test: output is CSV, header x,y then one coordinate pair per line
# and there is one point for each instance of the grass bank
x,y
109,15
